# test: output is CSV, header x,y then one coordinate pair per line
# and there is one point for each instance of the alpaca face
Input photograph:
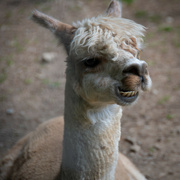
x,y
103,63
106,61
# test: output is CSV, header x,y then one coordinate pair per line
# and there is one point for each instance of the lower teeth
x,y
128,94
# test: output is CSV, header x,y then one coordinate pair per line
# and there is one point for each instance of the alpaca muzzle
x,y
136,76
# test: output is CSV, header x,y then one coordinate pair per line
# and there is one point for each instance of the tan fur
x,y
131,82
85,144
42,149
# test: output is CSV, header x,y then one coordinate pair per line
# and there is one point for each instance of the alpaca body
x,y
103,74
43,149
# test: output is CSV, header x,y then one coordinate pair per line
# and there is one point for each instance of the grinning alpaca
x,y
103,74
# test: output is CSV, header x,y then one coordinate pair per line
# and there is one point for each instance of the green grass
x,y
178,31
170,116
128,2
156,43
9,60
164,99
103,1
54,84
75,7
3,98
151,63
166,28
151,149
177,42
19,47
28,81
36,59
164,49
8,15
176,39
141,14
38,2
45,81
46,8
21,10
150,35
3,77
156,18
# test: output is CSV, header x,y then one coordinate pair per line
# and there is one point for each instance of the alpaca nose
x,y
139,69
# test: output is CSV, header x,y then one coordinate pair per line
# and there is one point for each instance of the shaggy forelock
x,y
102,35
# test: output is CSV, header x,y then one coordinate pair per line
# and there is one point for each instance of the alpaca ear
x,y
114,9
64,32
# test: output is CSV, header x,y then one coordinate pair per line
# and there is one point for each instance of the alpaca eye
x,y
91,62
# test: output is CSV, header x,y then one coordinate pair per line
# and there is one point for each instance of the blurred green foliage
x,y
128,2
156,18
166,28
3,77
164,99
50,83
170,116
141,14
28,81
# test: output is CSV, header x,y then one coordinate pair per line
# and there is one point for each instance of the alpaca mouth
x,y
126,96
128,93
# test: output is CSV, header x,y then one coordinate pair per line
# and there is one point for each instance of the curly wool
x,y
102,35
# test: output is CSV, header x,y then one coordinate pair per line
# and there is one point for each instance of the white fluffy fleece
x,y
101,35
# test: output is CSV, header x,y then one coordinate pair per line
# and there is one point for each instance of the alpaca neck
x,y
91,136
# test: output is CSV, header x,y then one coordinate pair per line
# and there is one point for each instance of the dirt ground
x,y
31,92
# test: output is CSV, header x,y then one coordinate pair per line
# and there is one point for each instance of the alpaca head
x,y
103,62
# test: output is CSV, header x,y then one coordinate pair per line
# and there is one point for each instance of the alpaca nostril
x,y
137,69
133,69
142,79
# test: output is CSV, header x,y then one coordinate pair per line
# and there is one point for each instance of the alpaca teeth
x,y
128,94
133,93
125,93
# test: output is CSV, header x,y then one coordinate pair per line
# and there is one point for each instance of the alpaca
x,y
103,74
